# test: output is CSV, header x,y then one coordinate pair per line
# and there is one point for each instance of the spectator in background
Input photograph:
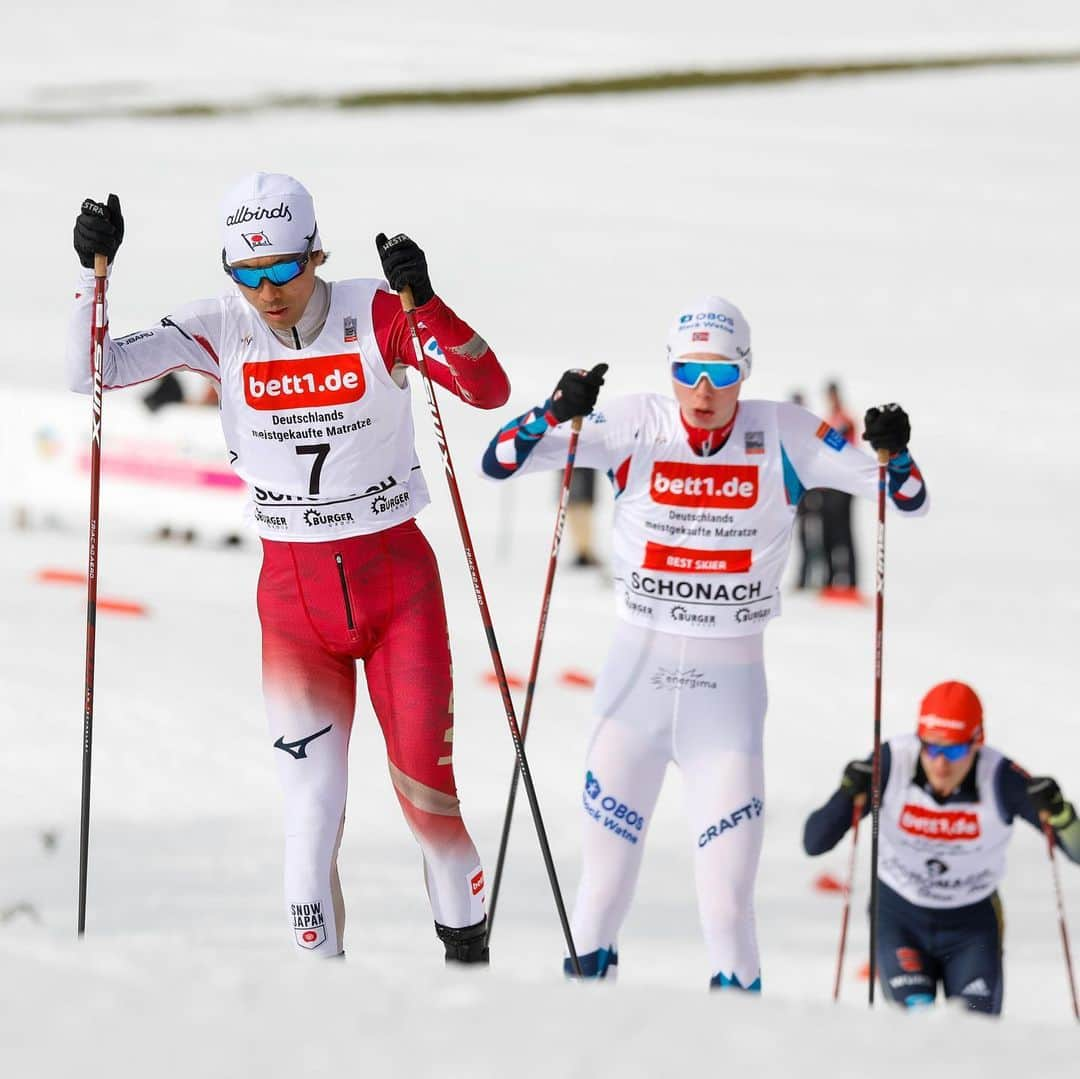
x,y
812,569
168,390
841,581
579,514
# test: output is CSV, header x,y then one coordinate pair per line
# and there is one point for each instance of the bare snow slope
x,y
182,1014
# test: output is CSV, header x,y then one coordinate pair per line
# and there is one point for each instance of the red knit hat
x,y
950,714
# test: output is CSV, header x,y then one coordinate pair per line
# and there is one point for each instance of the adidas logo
x,y
977,988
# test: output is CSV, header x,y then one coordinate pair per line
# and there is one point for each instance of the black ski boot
x,y
465,945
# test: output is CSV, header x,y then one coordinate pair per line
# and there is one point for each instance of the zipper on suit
x,y
345,591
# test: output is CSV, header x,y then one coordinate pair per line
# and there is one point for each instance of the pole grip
x,y
101,265
575,424
883,457
407,301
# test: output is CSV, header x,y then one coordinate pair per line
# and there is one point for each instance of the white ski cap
x,y
267,213
708,328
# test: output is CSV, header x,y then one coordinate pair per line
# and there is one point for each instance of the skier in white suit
x,y
706,490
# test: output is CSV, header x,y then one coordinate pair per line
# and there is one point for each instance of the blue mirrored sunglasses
x,y
279,273
689,373
952,753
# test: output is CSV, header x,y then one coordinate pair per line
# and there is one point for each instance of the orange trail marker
x,y
828,883
577,679
490,678
115,606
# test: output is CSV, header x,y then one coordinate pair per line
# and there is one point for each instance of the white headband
x,y
711,326
268,213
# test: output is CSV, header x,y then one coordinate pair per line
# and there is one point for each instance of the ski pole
x,y
97,347
560,522
1051,843
875,776
408,304
856,813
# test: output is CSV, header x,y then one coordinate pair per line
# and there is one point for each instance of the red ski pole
x,y
97,346
408,304
1051,843
856,813
530,689
875,777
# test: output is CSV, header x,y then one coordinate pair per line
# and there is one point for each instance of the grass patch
x,y
645,83
693,80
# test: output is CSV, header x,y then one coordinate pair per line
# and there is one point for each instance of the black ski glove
x,y
576,393
887,428
1046,797
404,264
168,391
99,230
856,780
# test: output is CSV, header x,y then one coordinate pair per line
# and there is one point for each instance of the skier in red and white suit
x,y
316,414
706,491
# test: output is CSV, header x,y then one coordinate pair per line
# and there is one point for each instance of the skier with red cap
x,y
312,379
948,803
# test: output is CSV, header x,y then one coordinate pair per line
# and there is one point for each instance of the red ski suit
x,y
363,585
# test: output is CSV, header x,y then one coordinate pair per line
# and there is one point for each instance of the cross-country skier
x,y
947,809
316,413
706,488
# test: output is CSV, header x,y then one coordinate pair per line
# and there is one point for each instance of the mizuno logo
x,y
298,749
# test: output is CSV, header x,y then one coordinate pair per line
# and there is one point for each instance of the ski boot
x,y
465,945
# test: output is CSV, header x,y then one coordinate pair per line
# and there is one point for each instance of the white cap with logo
x,y
709,328
268,213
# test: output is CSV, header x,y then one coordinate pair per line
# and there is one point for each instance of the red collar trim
x,y
705,442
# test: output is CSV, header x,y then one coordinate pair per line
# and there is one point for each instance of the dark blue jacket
x,y
825,827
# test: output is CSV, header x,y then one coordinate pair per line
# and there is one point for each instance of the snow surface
x,y
914,237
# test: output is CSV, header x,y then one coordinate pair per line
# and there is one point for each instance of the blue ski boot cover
x,y
603,963
724,981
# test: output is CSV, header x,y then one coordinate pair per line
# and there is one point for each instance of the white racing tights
x,y
700,703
